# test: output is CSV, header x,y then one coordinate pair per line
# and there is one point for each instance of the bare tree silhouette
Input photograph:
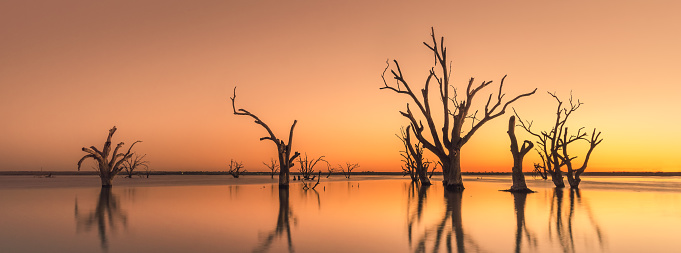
x,y
286,161
105,216
273,166
347,170
552,144
133,163
518,154
455,112
108,167
414,163
235,168
307,166
573,175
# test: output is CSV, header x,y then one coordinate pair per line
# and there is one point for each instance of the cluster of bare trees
x,y
415,165
552,144
446,140
446,130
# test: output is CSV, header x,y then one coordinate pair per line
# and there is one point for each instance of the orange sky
x,y
163,72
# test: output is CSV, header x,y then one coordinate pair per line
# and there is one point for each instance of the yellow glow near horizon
x,y
163,74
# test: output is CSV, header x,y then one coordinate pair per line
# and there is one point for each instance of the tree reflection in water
x,y
105,216
283,227
443,231
521,228
563,226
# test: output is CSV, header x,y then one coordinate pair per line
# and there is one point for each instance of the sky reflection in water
x,y
342,216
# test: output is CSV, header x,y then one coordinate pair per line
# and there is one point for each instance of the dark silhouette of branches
x,y
107,166
446,145
347,170
552,144
414,164
573,174
273,166
136,161
306,186
306,168
235,168
286,161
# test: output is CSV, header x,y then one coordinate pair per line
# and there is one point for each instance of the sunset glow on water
x,y
365,214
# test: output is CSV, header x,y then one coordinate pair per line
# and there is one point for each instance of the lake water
x,y
365,214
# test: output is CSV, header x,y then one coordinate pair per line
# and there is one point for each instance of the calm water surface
x,y
366,214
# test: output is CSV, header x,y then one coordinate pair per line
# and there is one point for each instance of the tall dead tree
x,y
551,143
573,174
286,161
108,167
414,163
447,146
518,154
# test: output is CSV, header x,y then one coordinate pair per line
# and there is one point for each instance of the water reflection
x,y
562,223
519,199
448,230
414,217
283,227
105,216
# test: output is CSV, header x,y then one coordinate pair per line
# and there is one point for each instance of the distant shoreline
x,y
364,173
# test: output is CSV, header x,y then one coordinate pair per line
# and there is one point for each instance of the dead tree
x,y
133,163
306,168
147,171
286,161
329,169
540,168
518,154
273,166
573,174
347,170
108,167
549,143
414,163
456,110
235,168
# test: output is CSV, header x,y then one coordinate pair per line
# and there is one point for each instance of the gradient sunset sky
x,y
163,72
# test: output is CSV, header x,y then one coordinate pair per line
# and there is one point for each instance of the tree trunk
x,y
518,176
518,154
573,179
283,176
423,177
107,180
452,179
557,178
